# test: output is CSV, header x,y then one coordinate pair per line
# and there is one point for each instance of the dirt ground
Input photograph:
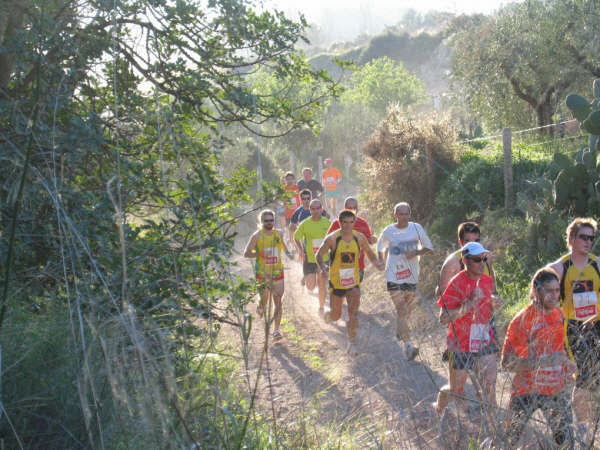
x,y
309,386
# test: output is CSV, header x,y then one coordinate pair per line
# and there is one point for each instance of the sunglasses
x,y
477,259
268,220
587,237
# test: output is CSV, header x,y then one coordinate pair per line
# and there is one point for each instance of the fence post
x,y
508,170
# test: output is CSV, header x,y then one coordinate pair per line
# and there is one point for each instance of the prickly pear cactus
x,y
588,114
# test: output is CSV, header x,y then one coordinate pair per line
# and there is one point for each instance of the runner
x,y
309,237
266,245
534,349
401,244
360,225
292,202
467,232
303,211
331,178
469,303
307,182
343,248
579,276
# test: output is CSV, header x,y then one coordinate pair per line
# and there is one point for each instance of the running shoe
x,y
352,349
411,352
277,335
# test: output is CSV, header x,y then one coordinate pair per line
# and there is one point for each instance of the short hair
x,y
467,227
315,200
578,224
305,192
350,199
346,213
542,276
305,169
398,205
265,212
289,174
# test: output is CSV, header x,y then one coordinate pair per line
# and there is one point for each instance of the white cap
x,y
473,248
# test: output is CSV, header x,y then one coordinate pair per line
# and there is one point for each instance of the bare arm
x,y
364,245
513,363
450,268
250,251
326,246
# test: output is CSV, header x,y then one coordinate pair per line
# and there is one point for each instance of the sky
x,y
346,19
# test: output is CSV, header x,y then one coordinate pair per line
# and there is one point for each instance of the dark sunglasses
x,y
268,220
587,237
477,259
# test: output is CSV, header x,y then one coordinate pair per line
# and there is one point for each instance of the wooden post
x,y
508,170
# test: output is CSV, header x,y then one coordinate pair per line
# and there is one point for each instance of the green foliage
x,y
381,83
510,66
116,222
588,114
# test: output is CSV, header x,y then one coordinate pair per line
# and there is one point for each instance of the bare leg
x,y
402,301
456,387
278,290
311,281
322,280
353,301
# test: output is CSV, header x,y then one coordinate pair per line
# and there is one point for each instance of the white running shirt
x,y
398,241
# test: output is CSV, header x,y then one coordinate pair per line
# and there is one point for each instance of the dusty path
x,y
316,396
311,387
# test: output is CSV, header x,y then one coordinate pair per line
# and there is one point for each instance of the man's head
x,y
402,213
316,209
545,288
581,234
351,203
468,232
328,162
474,257
267,219
307,174
305,197
347,217
290,179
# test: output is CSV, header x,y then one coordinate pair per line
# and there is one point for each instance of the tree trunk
x,y
544,112
11,19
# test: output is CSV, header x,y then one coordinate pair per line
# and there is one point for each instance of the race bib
x,y
271,256
479,336
548,376
347,277
402,273
585,304
316,243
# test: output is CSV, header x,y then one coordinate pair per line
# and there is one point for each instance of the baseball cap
x,y
326,160
473,248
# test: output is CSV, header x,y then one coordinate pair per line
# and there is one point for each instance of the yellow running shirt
x,y
344,272
579,289
269,266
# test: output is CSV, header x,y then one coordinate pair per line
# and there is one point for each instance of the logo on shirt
x,y
347,257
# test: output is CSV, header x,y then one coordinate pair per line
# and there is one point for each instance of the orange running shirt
x,y
531,334
330,178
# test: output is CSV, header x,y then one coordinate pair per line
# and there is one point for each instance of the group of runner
x,y
546,346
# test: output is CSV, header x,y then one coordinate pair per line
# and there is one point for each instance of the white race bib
x,y
548,376
479,336
585,304
402,273
347,277
271,256
316,244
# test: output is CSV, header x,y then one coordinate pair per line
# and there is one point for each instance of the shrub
x,y
405,159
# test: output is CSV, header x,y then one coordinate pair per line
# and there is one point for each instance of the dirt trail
x,y
377,398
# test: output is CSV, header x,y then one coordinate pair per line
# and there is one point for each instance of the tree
x,y
515,57
381,83
115,223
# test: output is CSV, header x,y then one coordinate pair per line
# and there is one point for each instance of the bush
x,y
405,161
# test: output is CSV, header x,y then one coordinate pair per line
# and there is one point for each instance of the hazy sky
x,y
345,19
